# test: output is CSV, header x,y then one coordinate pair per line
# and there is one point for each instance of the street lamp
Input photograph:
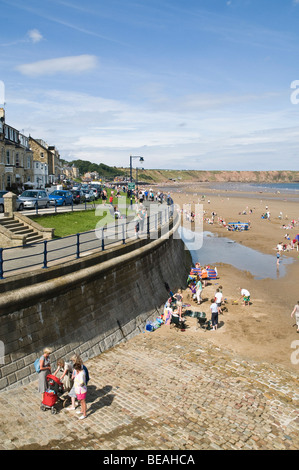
x,y
141,159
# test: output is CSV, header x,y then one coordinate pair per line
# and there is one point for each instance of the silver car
x,y
32,197
20,204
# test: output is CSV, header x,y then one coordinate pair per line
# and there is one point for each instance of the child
x,y
80,387
65,369
179,298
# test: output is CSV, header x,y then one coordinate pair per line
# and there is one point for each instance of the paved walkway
x,y
17,260
172,391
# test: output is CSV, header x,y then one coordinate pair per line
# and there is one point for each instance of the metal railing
x,y
49,252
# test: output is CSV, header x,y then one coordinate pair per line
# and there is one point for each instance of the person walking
x,y
296,313
104,196
198,288
277,258
45,369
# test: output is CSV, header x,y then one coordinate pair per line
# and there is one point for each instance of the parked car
x,y
96,192
61,197
88,195
31,197
20,204
77,196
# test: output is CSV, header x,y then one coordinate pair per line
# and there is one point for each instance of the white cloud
x,y
34,35
72,64
109,130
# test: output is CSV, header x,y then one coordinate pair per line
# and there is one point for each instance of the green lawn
x,y
69,223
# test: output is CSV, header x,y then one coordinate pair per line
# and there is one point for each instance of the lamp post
x,y
141,159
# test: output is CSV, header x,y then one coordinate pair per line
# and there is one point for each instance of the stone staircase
x,y
21,229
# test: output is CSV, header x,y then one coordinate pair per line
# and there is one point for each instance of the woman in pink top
x,y
80,387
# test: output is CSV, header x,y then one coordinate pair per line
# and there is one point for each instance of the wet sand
x,y
263,331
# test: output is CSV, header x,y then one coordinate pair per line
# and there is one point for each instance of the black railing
x,y
41,254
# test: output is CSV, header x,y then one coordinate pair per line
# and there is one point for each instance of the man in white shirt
x,y
218,299
246,296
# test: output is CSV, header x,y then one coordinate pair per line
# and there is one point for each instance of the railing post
x,y
103,243
1,263
36,207
78,245
45,254
123,234
55,206
72,204
148,226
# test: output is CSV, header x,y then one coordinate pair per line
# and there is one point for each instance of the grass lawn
x,y
70,223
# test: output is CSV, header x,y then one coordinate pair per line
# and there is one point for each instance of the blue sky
x,y
187,84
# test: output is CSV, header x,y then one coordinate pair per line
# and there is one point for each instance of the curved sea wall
x,y
88,305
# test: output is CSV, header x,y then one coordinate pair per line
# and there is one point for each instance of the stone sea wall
x,y
86,306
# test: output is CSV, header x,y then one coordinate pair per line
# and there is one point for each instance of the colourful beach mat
x,y
211,273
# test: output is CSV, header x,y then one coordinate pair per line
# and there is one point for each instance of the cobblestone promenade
x,y
172,391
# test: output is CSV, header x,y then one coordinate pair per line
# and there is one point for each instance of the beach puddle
x,y
214,250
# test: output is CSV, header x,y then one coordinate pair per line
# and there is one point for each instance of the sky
x,y
186,84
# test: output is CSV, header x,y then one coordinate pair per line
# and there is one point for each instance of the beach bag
x,y
37,365
86,374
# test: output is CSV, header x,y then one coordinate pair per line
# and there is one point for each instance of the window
x,y
17,160
7,157
36,164
28,162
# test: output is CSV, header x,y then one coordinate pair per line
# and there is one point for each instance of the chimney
x,y
2,115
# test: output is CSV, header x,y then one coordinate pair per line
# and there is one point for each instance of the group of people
x,y
73,375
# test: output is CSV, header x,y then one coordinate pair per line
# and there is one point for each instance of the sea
x,y
285,188
278,191
209,248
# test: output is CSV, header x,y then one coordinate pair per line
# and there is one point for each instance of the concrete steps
x,y
20,228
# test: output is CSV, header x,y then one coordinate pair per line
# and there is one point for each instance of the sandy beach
x,y
263,331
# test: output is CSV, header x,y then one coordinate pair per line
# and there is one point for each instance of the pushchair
x,y
51,395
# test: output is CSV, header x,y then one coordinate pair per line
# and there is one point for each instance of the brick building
x,y
16,157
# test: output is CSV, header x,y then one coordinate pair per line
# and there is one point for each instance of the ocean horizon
x,y
287,188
